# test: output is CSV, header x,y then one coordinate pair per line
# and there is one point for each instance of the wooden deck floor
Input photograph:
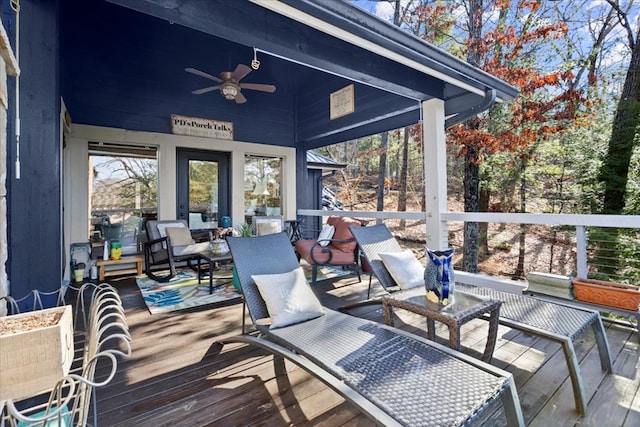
x,y
178,375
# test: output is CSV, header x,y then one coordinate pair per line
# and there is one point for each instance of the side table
x,y
102,272
210,258
464,308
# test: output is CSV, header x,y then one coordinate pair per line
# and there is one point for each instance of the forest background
x,y
569,143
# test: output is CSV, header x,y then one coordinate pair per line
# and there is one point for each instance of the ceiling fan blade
x,y
240,71
205,90
240,99
257,86
202,74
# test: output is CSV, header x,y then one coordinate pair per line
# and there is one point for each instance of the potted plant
x,y
243,230
37,350
607,293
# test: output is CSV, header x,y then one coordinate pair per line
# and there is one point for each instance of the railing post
x,y
581,251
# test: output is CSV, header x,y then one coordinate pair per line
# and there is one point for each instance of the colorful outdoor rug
x,y
183,291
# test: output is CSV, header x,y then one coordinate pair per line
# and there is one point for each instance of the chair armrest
x,y
156,241
328,249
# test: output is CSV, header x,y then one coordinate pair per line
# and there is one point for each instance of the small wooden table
x,y
137,260
212,259
464,308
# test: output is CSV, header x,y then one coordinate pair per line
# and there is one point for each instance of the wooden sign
x,y
196,126
342,102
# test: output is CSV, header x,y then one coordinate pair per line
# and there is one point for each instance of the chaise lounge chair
x,y
394,377
554,321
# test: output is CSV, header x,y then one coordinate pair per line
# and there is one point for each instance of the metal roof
x,y
316,160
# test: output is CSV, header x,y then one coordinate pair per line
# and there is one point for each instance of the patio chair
x,y
554,321
373,241
394,377
169,242
338,249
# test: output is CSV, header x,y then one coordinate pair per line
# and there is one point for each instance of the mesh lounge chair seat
x,y
557,322
394,377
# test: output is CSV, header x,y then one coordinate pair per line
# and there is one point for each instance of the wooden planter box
x,y
607,293
37,351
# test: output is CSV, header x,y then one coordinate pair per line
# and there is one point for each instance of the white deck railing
x,y
579,222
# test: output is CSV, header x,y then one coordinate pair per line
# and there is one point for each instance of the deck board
x,y
618,391
563,399
178,375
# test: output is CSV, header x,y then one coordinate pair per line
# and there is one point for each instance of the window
x,y
123,182
262,183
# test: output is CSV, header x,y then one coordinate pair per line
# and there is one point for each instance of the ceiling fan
x,y
230,86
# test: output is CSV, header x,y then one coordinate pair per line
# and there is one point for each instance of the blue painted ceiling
x,y
123,65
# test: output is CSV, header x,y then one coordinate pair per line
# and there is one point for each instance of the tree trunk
x,y
356,154
614,171
519,273
472,156
483,227
402,180
384,137
470,247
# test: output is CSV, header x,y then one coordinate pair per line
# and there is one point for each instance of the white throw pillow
x,y
263,228
162,228
326,234
288,297
404,267
180,236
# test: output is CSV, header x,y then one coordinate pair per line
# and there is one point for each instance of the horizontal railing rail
x,y
581,223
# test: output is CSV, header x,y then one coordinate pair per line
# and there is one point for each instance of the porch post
x,y
8,66
435,172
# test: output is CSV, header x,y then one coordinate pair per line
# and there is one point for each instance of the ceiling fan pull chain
x,y
255,64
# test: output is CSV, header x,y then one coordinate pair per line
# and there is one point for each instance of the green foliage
x,y
244,230
201,175
633,187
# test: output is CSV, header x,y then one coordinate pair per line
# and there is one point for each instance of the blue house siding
x,y
33,201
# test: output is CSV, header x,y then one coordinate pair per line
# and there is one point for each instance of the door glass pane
x,y
203,194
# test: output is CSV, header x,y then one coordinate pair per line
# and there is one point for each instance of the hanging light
x,y
229,90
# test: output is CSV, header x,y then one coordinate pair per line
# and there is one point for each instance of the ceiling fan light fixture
x,y
229,84
229,90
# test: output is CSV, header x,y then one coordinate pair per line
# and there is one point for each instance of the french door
x,y
203,187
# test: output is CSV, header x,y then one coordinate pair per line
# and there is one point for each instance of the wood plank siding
x,y
178,375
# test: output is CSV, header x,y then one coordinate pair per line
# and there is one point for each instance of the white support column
x,y
435,172
581,251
